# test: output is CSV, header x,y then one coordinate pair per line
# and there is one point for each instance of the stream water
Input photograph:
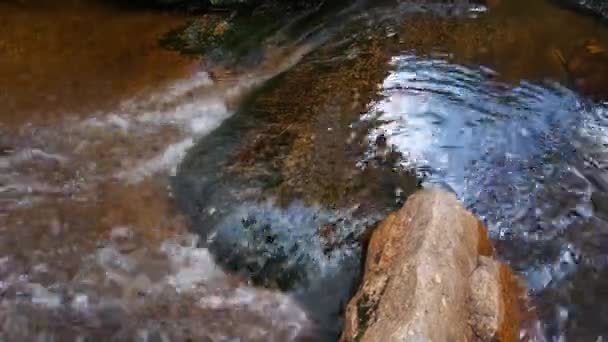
x,y
151,195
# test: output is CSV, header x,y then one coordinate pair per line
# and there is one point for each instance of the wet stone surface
x,y
284,201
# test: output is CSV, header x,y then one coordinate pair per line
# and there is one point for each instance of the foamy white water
x,y
63,183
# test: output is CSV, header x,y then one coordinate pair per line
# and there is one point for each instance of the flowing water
x,y
151,195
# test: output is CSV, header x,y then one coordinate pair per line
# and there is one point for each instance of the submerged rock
x,y
586,64
428,264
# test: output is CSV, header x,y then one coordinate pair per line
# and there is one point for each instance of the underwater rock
x,y
586,64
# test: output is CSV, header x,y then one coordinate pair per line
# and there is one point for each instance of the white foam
x,y
43,297
113,260
199,79
177,89
191,265
166,161
80,302
27,155
119,122
278,307
195,106
183,114
195,119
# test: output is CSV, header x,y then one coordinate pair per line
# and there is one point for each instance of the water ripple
x,y
528,158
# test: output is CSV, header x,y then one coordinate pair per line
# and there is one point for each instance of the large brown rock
x,y
430,276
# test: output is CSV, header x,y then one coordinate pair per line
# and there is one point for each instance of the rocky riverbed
x,y
193,175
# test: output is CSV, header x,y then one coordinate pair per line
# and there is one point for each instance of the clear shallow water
x,y
91,243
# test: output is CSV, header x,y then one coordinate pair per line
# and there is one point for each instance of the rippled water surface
x,y
148,195
95,116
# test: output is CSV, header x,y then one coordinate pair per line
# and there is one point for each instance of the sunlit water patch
x,y
524,157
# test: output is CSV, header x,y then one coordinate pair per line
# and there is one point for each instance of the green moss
x,y
365,308
223,36
219,37
242,30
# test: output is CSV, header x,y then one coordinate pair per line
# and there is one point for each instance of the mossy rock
x,y
219,38
239,36
585,65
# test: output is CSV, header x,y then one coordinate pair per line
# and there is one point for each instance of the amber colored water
x,y
76,60
78,57
94,117
518,39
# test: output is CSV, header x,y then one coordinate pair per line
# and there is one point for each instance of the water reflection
x,y
523,157
472,133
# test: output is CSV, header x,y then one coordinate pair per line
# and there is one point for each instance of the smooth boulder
x,y
430,275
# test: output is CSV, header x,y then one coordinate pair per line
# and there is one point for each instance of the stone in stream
x,y
430,275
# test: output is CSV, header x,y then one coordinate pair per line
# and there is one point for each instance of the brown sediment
x,y
145,207
80,57
516,38
587,65
309,117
